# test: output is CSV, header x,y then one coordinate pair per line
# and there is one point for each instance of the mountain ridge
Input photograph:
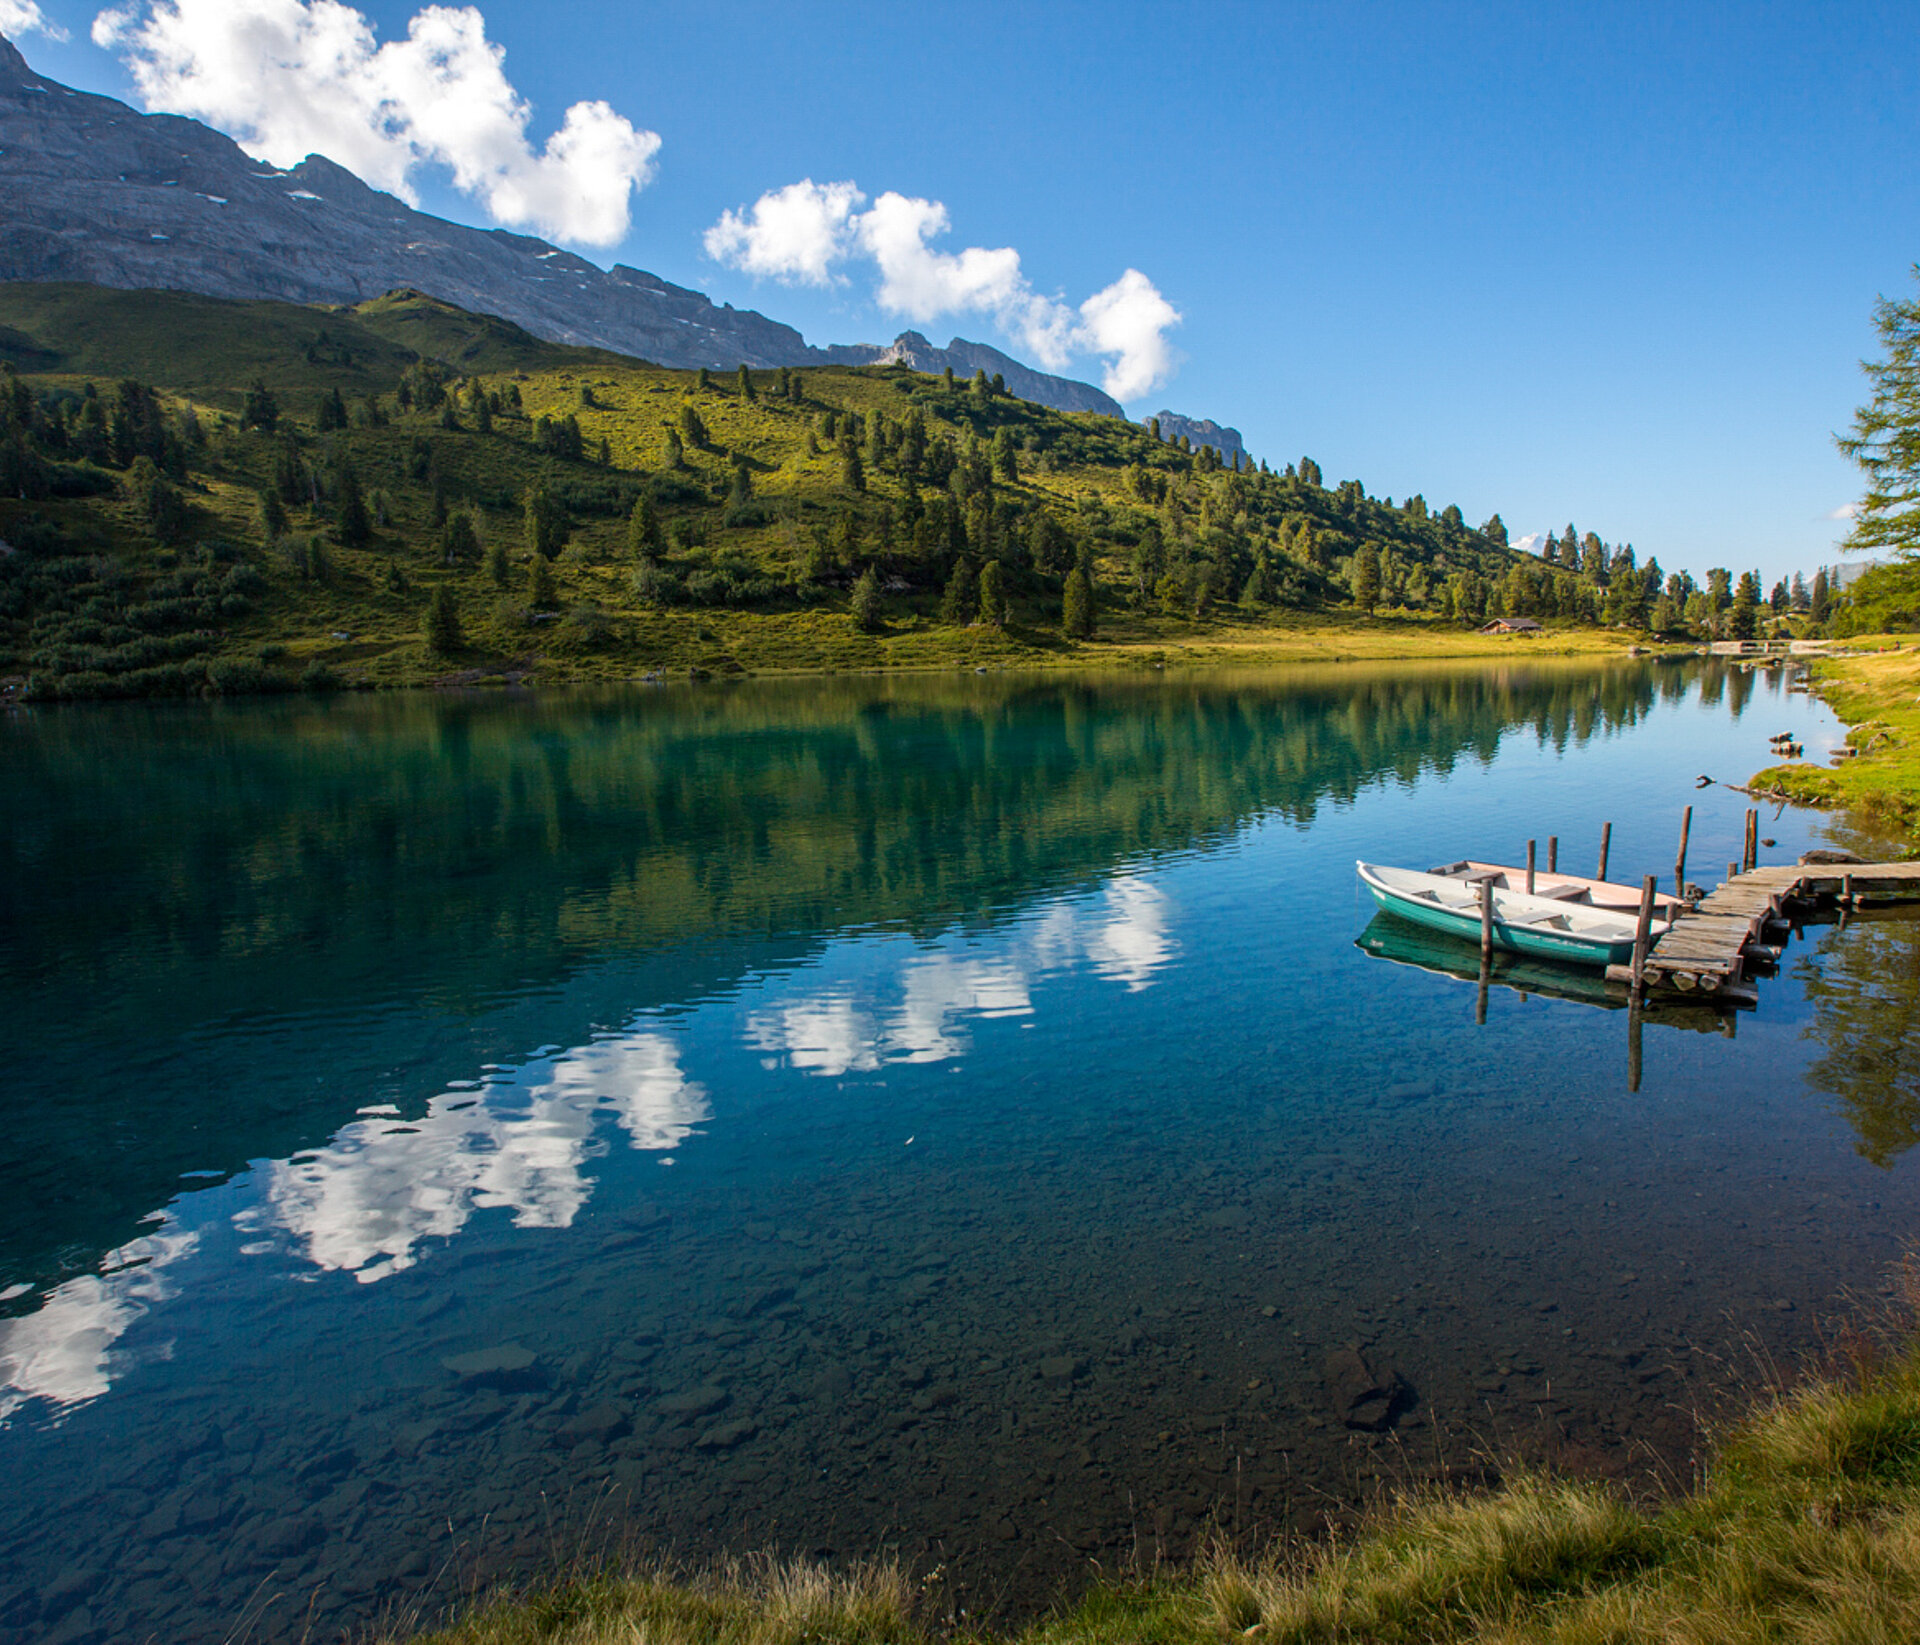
x,y
95,192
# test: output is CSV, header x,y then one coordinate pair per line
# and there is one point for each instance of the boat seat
x,y
1563,893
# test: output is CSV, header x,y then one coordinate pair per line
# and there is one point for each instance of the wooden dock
x,y
1713,949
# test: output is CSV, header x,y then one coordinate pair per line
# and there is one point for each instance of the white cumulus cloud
x,y
804,232
794,234
24,17
288,78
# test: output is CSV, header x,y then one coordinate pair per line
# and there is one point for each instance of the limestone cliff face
x,y
1200,431
91,190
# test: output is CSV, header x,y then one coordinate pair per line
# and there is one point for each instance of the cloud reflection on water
x,y
1123,936
519,1138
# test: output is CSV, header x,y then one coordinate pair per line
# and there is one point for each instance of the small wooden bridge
x,y
1711,949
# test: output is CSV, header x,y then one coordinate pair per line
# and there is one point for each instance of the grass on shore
x,y
1878,694
1804,1531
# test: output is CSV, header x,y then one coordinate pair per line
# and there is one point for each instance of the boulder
x,y
1364,1394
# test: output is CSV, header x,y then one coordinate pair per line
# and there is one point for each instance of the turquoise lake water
x,y
949,1116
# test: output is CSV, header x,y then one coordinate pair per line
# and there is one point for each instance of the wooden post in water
x,y
1733,872
1480,998
1680,862
1553,853
1641,932
1633,1043
1753,841
1846,890
1606,839
1529,868
1486,919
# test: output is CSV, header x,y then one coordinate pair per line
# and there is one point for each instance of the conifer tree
x,y
460,541
1076,606
958,603
676,456
273,515
546,523
542,593
352,523
1365,575
443,621
993,594
853,473
747,392
497,565
644,541
865,606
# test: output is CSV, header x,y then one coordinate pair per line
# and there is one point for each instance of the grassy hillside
x,y
202,495
1876,693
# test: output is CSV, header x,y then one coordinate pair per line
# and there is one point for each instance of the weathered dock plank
x,y
1708,947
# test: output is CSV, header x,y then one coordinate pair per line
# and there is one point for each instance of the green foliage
x,y
1885,439
444,636
542,592
1076,613
960,602
1365,577
546,523
993,594
865,607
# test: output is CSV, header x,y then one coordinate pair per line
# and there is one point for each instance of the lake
x,y
957,1116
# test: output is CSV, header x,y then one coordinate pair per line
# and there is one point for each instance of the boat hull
x,y
1511,934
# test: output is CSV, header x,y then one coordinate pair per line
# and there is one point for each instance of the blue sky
x,y
1613,265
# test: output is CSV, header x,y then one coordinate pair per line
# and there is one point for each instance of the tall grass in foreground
x,y
1805,1530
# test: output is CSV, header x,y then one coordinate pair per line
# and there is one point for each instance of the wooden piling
x,y
1529,868
1642,931
1486,918
1846,890
1733,871
1480,998
1633,1044
1753,841
1606,839
1553,853
1680,861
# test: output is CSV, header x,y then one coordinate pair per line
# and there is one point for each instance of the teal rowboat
x,y
1547,928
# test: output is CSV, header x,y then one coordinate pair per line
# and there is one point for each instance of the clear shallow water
x,y
953,1116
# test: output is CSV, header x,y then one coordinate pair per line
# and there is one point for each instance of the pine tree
x,y
273,515
643,529
1365,575
704,381
460,541
331,412
1885,439
866,602
1005,464
546,523
853,473
993,594
443,622
259,409
1076,606
542,594
958,603
1258,590
692,427
497,565
352,523
676,457
747,392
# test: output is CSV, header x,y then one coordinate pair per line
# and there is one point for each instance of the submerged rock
x,y
1364,1395
507,1366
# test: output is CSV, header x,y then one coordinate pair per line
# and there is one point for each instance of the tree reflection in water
x,y
1863,982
